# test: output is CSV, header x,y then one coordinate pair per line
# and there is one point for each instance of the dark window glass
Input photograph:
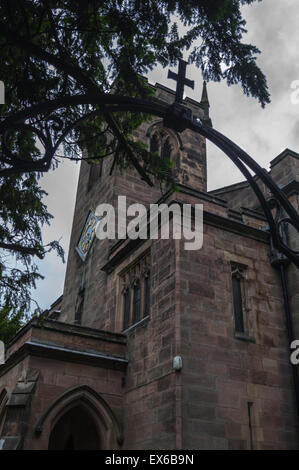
x,y
126,309
147,294
95,172
166,150
136,309
238,308
154,144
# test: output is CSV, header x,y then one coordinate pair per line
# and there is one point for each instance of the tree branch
x,y
22,249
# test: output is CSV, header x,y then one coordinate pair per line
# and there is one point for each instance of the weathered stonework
x,y
234,391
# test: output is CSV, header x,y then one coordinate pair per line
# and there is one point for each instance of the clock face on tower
x,y
87,235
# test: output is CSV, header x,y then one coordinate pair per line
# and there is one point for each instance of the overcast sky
x,y
264,133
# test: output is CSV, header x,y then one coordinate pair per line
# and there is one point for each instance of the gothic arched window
x,y
127,301
166,149
154,144
136,292
162,144
239,298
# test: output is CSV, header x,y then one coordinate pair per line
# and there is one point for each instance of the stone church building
x,y
153,346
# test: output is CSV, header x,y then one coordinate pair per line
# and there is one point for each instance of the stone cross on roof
x,y
181,80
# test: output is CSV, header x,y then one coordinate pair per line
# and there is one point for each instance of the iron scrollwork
x,y
175,116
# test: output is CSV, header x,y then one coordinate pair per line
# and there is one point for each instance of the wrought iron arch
x,y
176,117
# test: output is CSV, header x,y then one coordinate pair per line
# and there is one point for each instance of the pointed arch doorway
x,y
79,418
75,430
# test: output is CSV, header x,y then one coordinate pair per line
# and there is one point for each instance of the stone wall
x,y
222,373
56,367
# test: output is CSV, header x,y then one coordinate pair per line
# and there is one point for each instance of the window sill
x,y
244,337
136,325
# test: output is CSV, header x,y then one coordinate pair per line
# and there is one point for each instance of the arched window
x,y
163,144
127,301
154,144
135,292
166,149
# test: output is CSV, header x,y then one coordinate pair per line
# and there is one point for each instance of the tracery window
x,y
161,143
166,148
154,143
136,290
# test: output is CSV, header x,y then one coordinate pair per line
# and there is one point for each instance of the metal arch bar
x,y
235,159
238,156
110,103
259,171
116,103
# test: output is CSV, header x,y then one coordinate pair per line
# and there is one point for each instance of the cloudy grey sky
x,y
273,27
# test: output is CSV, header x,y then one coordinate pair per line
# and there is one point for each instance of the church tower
x,y
87,298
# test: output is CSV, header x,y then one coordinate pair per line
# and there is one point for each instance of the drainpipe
x,y
280,262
